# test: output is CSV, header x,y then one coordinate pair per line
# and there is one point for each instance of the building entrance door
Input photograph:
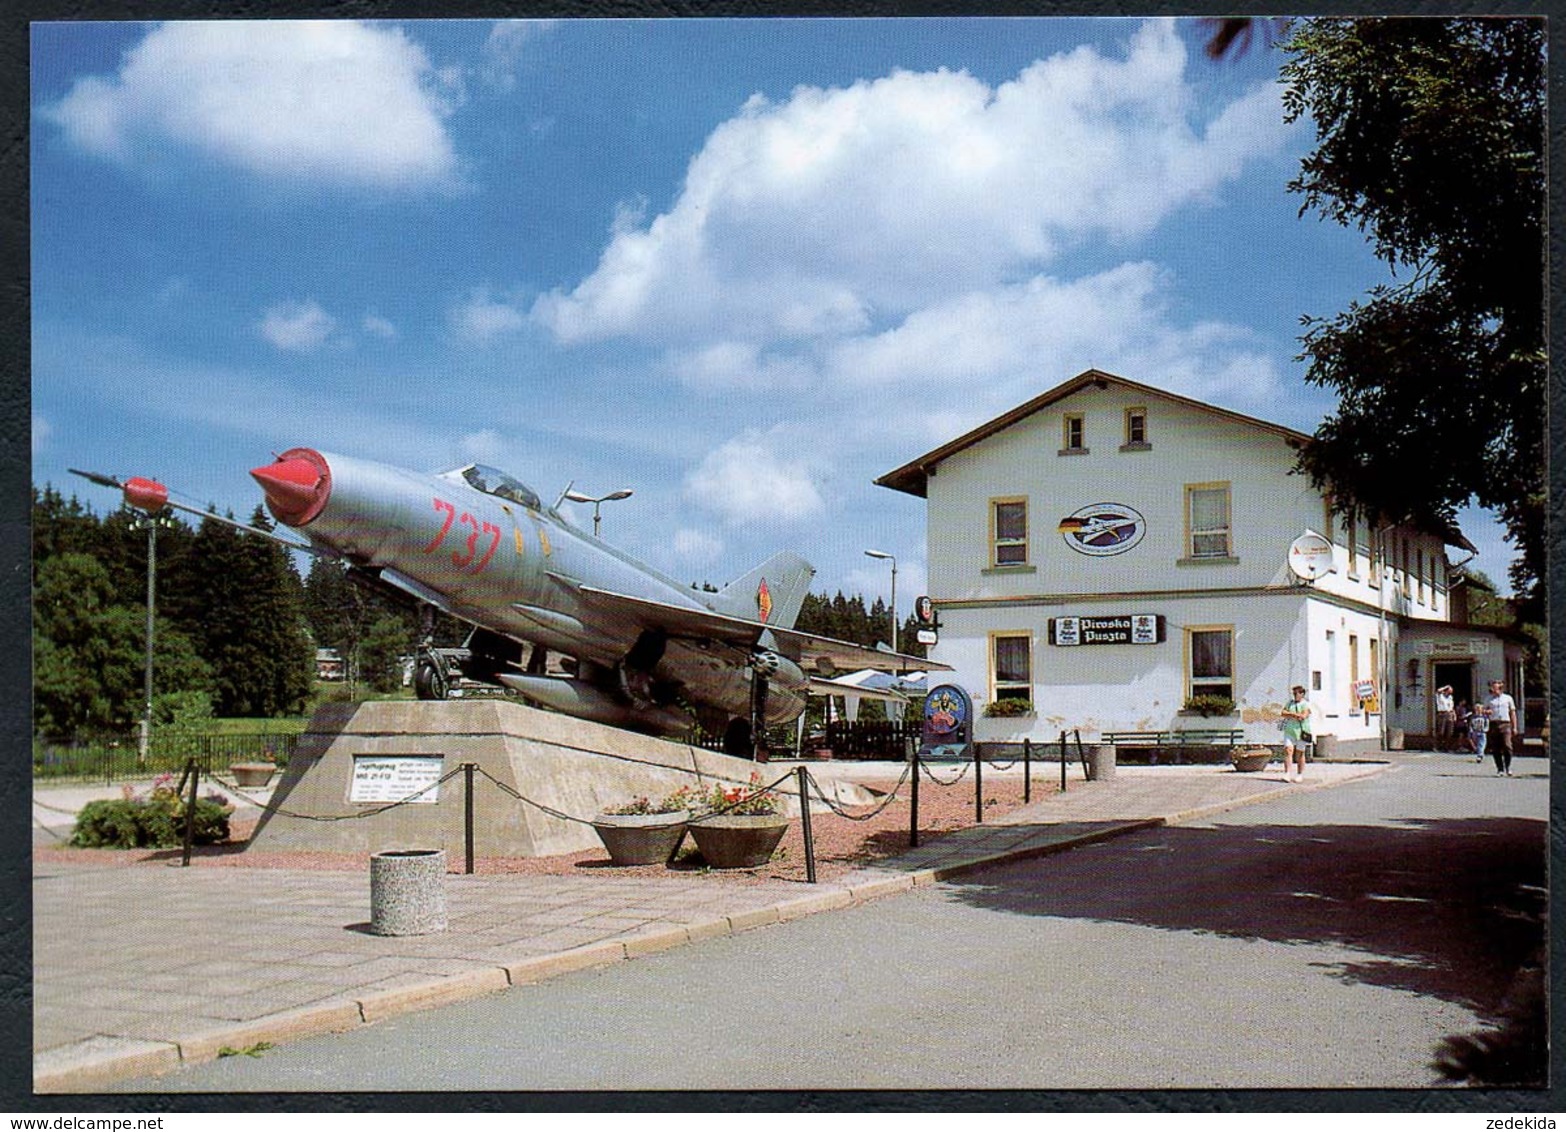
x,y
1459,674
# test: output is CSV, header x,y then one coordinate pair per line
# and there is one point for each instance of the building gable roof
x,y
913,477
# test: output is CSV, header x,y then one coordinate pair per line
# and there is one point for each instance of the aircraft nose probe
x,y
297,485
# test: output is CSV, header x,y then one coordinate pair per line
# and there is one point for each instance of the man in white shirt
x,y
1503,723
1445,717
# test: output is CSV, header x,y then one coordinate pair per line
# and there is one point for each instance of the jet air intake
x,y
297,486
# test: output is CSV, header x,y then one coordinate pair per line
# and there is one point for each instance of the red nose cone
x,y
297,486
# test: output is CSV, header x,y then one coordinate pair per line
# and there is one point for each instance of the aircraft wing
x,y
812,652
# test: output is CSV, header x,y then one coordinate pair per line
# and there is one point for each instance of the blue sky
x,y
742,267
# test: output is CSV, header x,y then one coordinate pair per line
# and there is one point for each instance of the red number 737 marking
x,y
461,558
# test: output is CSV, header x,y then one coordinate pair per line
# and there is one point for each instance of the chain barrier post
x,y
1027,770
978,787
467,818
804,822
913,812
193,769
1062,762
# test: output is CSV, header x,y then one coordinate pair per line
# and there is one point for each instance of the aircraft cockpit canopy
x,y
492,481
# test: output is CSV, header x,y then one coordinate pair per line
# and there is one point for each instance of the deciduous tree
x,y
1430,140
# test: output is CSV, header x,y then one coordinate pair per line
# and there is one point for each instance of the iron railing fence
x,y
112,758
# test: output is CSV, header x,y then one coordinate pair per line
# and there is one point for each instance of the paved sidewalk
x,y
139,969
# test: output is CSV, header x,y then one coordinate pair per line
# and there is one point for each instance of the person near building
x,y
1502,710
1296,727
1445,717
1478,729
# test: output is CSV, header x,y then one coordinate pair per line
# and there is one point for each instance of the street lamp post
x,y
597,501
149,523
892,558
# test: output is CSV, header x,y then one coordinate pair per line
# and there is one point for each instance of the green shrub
x,y
152,821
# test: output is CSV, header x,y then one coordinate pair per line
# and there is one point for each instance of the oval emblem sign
x,y
1102,529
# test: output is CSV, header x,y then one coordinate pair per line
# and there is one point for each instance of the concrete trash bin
x,y
1101,763
408,892
1325,747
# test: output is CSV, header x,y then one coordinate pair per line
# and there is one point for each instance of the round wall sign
x,y
1102,529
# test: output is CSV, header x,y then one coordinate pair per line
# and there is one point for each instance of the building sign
x,y
1124,629
1473,646
396,778
927,637
924,610
948,723
1102,529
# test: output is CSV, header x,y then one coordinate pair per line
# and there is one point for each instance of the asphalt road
x,y
1333,939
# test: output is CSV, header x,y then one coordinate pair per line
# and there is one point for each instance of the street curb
x,y
94,1062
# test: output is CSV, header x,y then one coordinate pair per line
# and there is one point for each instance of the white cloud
x,y
697,548
482,319
838,211
379,327
42,431
483,447
330,101
297,327
1024,337
504,48
746,480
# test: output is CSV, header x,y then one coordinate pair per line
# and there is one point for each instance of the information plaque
x,y
396,778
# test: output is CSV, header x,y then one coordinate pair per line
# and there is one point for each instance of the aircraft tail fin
x,y
773,592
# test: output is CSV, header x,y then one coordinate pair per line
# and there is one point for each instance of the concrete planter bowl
x,y
642,839
252,774
1250,761
738,841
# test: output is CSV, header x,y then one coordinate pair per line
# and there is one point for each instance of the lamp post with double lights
x,y
597,501
149,522
892,558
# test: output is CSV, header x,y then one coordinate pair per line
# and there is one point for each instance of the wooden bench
x,y
1193,738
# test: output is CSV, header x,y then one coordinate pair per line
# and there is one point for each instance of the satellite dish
x,y
1310,556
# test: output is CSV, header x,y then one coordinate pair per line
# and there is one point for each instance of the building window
x,y
1009,532
1136,430
1326,519
1207,520
1375,666
1331,706
1424,593
1353,659
1073,436
1210,661
1408,588
1011,666
1351,537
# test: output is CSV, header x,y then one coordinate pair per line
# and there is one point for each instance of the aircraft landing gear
x,y
431,681
431,677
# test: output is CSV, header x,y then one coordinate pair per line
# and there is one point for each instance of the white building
x,y
1108,551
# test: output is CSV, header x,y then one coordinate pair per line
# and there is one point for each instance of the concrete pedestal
x,y
1101,763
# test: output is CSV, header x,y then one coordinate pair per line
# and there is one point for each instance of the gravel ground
x,y
842,843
